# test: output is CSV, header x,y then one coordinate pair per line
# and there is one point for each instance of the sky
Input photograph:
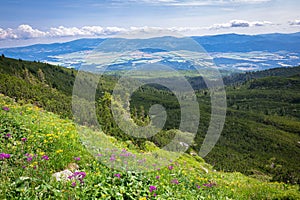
x,y
24,22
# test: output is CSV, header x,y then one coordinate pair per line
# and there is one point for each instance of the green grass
x,y
61,140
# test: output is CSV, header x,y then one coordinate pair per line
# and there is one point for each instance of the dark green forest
x,y
261,137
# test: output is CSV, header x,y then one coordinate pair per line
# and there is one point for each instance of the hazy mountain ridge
x,y
231,52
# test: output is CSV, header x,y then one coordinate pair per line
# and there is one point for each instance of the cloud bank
x,y
25,31
240,24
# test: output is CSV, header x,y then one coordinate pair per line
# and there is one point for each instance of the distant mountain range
x,y
230,52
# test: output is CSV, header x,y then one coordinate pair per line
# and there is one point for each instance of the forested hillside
x,y
261,134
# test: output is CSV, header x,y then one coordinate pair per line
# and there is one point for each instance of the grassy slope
x,y
255,133
48,134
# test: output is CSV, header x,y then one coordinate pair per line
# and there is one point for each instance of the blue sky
x,y
37,21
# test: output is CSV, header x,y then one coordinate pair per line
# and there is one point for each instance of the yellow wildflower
x,y
59,151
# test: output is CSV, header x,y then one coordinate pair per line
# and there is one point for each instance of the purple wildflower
x,y
198,186
117,175
74,184
175,181
8,135
29,159
170,167
157,177
5,108
79,176
209,185
154,194
7,156
125,154
77,158
152,188
24,139
112,158
4,156
45,157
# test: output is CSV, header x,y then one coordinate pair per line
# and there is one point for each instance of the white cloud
x,y
93,30
295,22
22,32
240,24
26,31
62,31
7,34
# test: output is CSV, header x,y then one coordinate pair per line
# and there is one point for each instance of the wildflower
x,y
117,175
79,176
45,157
209,185
175,181
143,198
77,158
152,188
198,186
157,177
170,167
8,135
4,156
59,151
154,194
74,184
5,108
112,158
29,159
24,139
